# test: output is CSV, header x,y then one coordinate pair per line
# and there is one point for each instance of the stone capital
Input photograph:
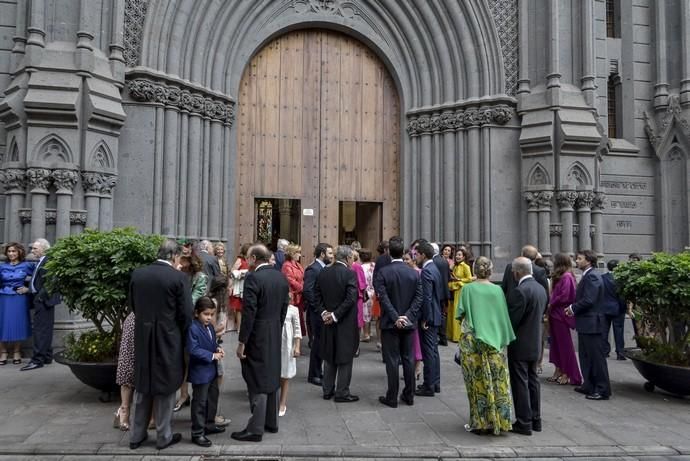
x,y
532,200
566,199
585,200
14,180
91,182
544,199
39,179
64,180
598,202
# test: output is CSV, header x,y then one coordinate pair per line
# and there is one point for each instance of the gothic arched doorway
x,y
318,143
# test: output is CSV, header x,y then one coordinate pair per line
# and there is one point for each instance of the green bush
x,y
91,271
91,346
659,288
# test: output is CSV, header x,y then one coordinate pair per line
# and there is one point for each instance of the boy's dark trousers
x,y
203,396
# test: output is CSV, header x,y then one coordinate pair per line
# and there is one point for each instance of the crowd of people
x,y
410,298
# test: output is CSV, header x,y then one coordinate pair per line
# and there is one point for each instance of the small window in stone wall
x,y
614,108
613,18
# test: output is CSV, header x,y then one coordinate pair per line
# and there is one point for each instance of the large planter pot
x,y
675,380
100,376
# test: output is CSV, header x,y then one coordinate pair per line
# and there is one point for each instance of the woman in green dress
x,y
485,332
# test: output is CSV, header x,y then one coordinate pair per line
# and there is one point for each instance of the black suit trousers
x,y
524,385
396,347
432,365
315,361
204,404
44,321
595,372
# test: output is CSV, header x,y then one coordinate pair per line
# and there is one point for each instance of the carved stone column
x,y
566,202
64,181
597,219
105,217
544,202
532,217
92,182
556,231
39,181
584,218
15,188
284,213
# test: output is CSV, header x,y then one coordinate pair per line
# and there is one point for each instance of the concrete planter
x,y
675,380
100,376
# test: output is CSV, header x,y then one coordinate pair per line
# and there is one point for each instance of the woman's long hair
x,y
562,263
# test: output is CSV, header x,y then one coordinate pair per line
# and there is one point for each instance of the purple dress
x,y
362,286
562,351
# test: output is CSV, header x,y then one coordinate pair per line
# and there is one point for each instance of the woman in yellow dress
x,y
459,277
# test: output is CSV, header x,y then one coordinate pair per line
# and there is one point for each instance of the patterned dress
x,y
125,360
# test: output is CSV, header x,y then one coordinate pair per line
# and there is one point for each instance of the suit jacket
x,y
265,303
210,265
399,289
444,270
526,309
432,294
587,306
39,278
509,283
201,345
336,291
311,274
280,259
612,304
160,297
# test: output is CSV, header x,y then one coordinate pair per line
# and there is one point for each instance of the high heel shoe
x,y
121,420
3,358
179,405
17,358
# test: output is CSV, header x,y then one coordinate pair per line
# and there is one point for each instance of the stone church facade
x,y
563,123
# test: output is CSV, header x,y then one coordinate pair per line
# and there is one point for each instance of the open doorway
x,y
361,221
276,218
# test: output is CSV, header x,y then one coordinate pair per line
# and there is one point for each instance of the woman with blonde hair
x,y
460,276
294,273
485,332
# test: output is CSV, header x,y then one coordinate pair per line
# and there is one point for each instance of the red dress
x,y
294,273
236,301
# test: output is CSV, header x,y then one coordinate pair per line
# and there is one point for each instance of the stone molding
x,y
566,199
65,180
75,216
135,15
592,230
183,97
421,123
507,22
556,230
584,200
659,127
598,202
14,179
98,183
343,8
576,230
532,200
38,179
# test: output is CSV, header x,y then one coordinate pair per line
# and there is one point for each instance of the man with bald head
x,y
264,306
526,308
509,284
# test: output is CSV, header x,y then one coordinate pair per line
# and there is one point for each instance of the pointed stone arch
x,y
52,150
12,153
538,176
578,175
675,205
101,157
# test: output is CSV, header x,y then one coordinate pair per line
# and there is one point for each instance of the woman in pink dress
x,y
361,288
562,352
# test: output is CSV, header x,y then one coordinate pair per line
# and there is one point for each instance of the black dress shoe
x,y
437,389
47,362
135,445
31,366
520,430
244,436
176,437
581,390
536,425
620,357
408,400
202,441
424,392
328,396
443,342
347,399
316,381
596,396
385,401
272,430
214,430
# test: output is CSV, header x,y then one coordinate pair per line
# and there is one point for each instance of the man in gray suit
x,y
210,263
526,307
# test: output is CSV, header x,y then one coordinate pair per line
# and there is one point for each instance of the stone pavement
x,y
48,414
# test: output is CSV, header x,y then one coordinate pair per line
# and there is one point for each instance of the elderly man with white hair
x,y
210,263
280,253
44,309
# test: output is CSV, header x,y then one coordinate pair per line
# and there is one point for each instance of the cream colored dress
x,y
291,330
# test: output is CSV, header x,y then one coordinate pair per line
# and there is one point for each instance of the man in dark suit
x,y
265,303
509,284
280,253
399,290
323,255
526,309
336,296
161,299
444,271
430,320
44,310
589,323
613,307
210,263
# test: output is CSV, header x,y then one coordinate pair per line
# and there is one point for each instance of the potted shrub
x,y
659,289
91,271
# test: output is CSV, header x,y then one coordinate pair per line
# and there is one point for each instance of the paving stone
x,y
648,450
490,452
596,450
682,449
540,452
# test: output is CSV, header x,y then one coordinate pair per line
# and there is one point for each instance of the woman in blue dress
x,y
15,325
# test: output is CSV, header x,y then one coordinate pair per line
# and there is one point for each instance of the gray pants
x,y
162,408
264,409
344,375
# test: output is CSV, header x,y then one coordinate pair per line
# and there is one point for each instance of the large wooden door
x,y
318,122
